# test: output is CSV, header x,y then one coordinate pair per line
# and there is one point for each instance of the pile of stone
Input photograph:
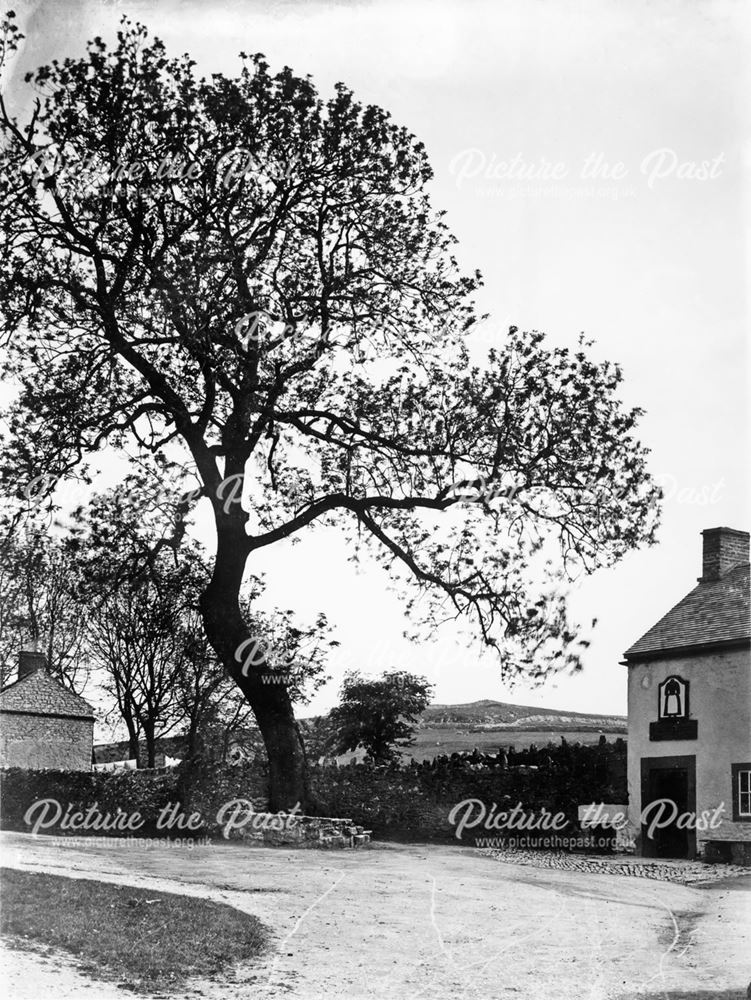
x,y
303,831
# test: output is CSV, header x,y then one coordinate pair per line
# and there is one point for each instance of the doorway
x,y
674,779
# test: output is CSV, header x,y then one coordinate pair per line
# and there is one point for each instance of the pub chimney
x,y
723,548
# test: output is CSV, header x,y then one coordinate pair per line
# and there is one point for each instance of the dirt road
x,y
426,923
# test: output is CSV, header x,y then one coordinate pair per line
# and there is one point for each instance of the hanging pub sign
x,y
673,722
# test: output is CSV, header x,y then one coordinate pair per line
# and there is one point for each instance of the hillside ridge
x,y
490,712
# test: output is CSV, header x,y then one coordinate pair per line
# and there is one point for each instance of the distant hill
x,y
500,715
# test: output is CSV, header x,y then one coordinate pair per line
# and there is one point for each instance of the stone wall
x,y
410,803
414,802
45,741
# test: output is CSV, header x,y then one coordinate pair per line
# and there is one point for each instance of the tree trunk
x,y
133,745
148,732
270,702
191,749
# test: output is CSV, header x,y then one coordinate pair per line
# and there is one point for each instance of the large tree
x,y
239,267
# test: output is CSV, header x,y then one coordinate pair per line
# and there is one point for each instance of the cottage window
x,y
742,791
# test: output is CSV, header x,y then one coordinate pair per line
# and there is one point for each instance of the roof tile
x,y
714,611
42,694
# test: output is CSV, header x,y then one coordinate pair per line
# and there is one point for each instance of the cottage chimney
x,y
723,548
30,660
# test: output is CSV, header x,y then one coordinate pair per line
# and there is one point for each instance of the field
x,y
434,741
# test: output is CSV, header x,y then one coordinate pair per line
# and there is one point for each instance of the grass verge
x,y
145,939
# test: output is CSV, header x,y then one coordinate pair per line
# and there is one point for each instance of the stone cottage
x,y
42,723
689,715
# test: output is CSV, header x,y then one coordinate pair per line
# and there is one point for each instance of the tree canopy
x,y
379,715
240,271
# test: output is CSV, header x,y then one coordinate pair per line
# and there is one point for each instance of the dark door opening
x,y
671,779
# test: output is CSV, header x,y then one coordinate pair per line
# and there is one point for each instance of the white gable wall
x,y
720,701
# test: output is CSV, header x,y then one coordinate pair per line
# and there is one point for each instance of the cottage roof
x,y
38,693
715,611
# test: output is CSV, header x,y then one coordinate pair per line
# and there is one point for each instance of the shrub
x,y
127,791
199,788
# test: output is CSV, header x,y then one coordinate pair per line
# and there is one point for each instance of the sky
x,y
591,160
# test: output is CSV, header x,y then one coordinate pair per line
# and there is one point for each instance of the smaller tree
x,y
379,715
143,603
40,603
136,641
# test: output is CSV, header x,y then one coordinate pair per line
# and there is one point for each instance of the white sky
x,y
654,271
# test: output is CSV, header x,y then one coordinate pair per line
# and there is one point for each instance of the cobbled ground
x,y
683,872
